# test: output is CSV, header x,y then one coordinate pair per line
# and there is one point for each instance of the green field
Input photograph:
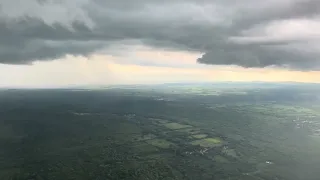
x,y
160,143
175,126
208,142
199,136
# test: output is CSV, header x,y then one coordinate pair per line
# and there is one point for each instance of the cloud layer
x,y
247,33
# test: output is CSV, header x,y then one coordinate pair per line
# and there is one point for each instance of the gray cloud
x,y
253,56
49,29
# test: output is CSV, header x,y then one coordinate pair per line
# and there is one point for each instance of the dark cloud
x,y
49,29
254,14
257,56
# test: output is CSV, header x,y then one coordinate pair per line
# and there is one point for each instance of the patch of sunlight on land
x,y
220,159
199,136
286,108
237,92
160,143
175,126
208,142
218,106
202,91
210,91
159,121
145,137
189,130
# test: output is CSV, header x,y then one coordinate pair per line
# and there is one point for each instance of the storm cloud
x,y
246,33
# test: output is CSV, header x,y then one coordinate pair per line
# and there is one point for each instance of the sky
x,y
55,43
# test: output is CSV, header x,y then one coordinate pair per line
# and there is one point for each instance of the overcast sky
x,y
49,43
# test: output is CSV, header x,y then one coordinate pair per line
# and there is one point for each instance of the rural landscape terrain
x,y
221,131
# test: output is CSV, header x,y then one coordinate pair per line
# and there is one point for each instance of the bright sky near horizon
x,y
51,43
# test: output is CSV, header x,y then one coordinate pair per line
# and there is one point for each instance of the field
x,y
175,126
208,142
222,131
